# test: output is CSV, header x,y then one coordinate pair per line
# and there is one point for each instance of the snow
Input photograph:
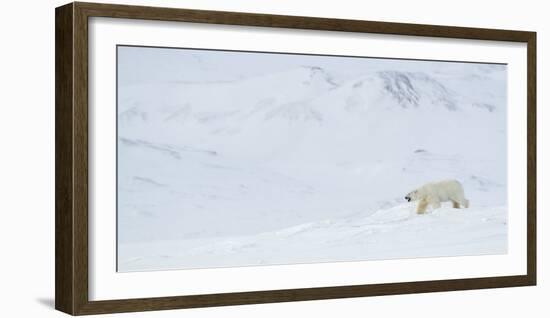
x,y
397,232
239,159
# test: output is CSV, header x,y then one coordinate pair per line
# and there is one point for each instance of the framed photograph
x,y
209,158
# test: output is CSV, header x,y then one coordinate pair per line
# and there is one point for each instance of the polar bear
x,y
436,192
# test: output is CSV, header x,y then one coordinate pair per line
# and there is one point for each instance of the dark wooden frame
x,y
71,154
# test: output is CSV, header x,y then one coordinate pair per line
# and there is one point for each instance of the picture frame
x,y
72,219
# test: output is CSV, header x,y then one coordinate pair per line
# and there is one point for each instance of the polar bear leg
x,y
459,199
421,208
436,204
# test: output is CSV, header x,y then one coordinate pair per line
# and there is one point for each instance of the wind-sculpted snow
x,y
385,234
306,163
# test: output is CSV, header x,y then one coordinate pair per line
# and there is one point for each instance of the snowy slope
x,y
307,162
445,232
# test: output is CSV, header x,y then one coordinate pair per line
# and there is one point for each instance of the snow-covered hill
x,y
385,234
211,161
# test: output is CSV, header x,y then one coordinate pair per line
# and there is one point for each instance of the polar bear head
x,y
412,196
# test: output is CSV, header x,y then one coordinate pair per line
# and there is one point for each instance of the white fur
x,y
436,192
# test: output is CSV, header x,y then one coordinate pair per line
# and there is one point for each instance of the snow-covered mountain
x,y
245,155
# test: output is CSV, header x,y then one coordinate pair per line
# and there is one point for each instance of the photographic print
x,y
237,158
